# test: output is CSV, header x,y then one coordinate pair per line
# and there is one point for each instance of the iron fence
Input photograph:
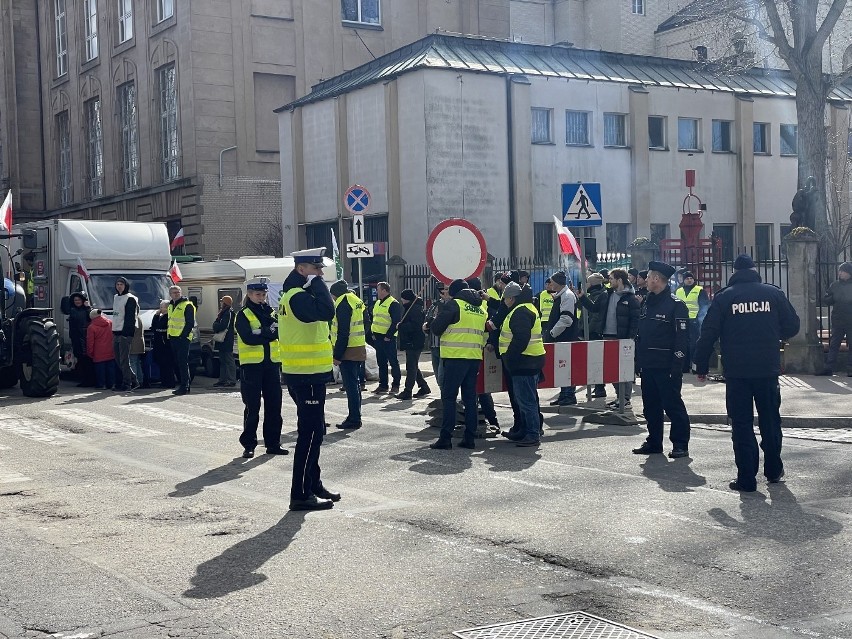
x,y
770,262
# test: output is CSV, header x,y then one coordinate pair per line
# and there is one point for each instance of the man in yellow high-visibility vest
x,y
304,311
387,313
179,332
349,347
697,303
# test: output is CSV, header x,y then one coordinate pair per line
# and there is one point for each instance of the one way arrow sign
x,y
358,229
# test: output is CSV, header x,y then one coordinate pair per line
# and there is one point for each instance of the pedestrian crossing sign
x,y
581,204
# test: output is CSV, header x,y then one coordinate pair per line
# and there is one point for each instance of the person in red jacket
x,y
100,349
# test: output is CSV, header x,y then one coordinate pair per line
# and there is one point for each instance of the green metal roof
x,y
498,57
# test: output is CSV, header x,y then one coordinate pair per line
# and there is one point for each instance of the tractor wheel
x,y
8,376
40,375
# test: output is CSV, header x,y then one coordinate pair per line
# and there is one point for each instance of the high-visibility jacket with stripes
x,y
381,316
304,347
464,339
177,319
535,346
690,299
254,354
357,337
545,303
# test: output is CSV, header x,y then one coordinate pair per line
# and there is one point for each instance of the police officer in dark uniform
x,y
750,319
661,348
260,365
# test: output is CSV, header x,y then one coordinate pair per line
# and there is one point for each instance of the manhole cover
x,y
572,625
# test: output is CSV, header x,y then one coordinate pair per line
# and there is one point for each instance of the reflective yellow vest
x,y
357,336
691,299
250,354
304,347
177,319
381,316
494,294
536,344
464,339
545,303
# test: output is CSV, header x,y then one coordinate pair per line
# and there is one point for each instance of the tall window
x,y
90,17
363,11
761,138
638,7
789,139
615,129
128,125
616,237
94,148
125,20
165,9
656,132
687,134
763,242
722,136
63,155
169,146
725,233
543,243
541,119
61,37
577,128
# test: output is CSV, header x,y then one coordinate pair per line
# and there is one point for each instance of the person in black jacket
x,y
411,342
225,322
661,346
641,289
750,319
160,345
125,310
78,323
562,326
839,296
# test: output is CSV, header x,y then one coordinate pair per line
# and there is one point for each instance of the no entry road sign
x,y
455,250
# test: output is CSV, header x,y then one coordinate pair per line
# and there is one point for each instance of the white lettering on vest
x,y
750,307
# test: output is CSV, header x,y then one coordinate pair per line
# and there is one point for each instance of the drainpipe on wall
x,y
511,167
221,153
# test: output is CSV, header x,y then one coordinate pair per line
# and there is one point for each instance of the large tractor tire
x,y
8,376
40,375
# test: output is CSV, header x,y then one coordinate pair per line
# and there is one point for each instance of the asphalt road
x,y
133,516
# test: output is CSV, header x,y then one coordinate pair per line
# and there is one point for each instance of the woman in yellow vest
x,y
257,343
522,350
349,346
304,311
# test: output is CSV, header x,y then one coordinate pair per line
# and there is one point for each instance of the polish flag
x,y
567,242
179,240
6,213
175,273
81,269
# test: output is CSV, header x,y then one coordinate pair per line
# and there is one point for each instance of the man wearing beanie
x,y
411,341
461,325
750,319
348,347
839,296
562,326
224,324
387,313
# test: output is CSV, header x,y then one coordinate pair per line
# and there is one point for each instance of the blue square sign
x,y
581,204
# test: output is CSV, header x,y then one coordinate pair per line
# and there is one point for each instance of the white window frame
x,y
360,18
548,115
128,121
696,124
767,130
165,10
730,140
665,141
64,181
621,118
60,16
94,148
125,20
168,110
571,141
637,7
781,150
90,20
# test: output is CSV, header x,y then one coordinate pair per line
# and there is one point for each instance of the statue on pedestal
x,y
804,205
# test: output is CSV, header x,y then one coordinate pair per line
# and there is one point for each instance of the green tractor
x,y
29,343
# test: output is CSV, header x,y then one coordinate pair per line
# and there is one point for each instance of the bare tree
x,y
268,241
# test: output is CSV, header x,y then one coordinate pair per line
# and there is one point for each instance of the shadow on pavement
x,y
437,462
236,568
672,476
232,470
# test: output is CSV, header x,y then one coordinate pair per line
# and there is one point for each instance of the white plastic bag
x,y
372,366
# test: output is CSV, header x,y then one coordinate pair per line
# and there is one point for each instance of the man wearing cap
x,y
522,352
181,323
523,277
224,322
349,347
661,346
697,303
496,292
750,319
387,313
304,312
562,326
461,325
257,343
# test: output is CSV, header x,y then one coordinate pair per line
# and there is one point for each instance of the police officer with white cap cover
x,y
304,313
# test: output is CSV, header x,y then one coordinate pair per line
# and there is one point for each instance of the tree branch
x,y
829,23
841,77
785,50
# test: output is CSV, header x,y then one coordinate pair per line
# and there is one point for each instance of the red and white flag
x,y
567,242
175,273
6,213
81,269
179,240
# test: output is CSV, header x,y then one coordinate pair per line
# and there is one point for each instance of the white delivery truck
x,y
57,250
207,282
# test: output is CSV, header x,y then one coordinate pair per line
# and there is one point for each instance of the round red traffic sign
x,y
455,250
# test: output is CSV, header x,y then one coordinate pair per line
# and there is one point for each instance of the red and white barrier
x,y
570,364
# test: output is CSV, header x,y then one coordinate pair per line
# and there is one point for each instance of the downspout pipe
x,y
221,153
510,145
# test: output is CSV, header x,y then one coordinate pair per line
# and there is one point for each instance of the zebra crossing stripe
x,y
103,423
181,418
10,476
32,429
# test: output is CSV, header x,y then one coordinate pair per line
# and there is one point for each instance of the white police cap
x,y
258,284
309,256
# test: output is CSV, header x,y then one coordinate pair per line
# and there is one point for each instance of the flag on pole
x,y
567,242
175,273
338,266
81,269
6,213
179,240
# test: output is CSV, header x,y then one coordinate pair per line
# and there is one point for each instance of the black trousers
x,y
85,369
180,360
741,397
412,370
310,426
165,362
661,392
261,381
